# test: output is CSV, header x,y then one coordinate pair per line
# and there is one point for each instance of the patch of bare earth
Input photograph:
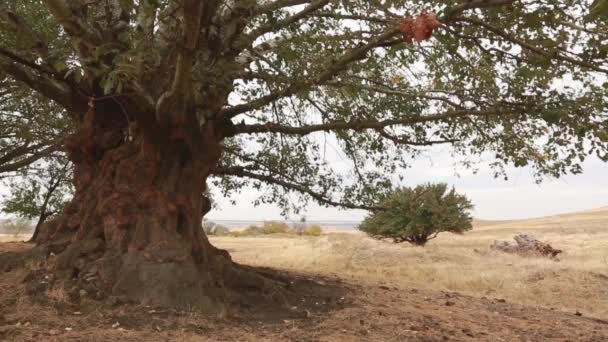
x,y
319,308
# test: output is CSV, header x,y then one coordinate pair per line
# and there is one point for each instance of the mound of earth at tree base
x,y
316,309
527,245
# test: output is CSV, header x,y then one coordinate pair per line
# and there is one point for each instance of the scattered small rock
x,y
115,325
500,300
448,303
53,332
527,245
82,292
577,313
68,329
384,287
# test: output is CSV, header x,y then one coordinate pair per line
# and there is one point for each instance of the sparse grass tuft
x,y
314,230
273,227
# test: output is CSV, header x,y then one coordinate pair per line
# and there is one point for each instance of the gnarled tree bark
x,y
133,229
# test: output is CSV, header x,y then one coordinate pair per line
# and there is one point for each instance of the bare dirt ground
x,y
346,287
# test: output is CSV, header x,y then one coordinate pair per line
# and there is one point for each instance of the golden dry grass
x,y
14,237
579,281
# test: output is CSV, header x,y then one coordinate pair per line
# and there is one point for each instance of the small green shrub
x,y
418,215
236,234
252,230
314,230
273,227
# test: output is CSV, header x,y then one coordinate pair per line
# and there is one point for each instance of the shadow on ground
x,y
313,308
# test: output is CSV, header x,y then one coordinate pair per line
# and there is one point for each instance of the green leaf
x,y
126,5
108,85
60,66
599,9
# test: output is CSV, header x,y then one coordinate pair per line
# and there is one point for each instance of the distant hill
x,y
592,219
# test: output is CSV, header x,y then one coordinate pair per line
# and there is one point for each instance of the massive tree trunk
x,y
133,229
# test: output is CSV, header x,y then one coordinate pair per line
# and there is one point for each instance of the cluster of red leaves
x,y
421,28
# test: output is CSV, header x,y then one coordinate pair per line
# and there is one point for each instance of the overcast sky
x,y
518,197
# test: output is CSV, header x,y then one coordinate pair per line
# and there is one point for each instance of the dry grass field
x,y
13,237
348,287
461,263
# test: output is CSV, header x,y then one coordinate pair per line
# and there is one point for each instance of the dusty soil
x,y
320,308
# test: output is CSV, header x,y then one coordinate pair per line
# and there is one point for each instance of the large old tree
x,y
161,95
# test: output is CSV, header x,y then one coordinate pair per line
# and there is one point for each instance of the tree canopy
x,y
417,215
599,8
31,127
519,81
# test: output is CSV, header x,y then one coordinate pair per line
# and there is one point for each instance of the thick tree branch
x,y
25,29
528,46
176,95
402,141
55,90
18,164
314,6
361,125
472,4
75,26
270,179
13,56
385,89
326,75
272,6
10,153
